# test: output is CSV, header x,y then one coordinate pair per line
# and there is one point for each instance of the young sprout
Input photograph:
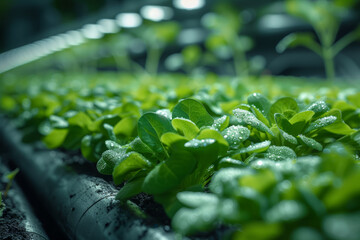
x,y
156,37
224,39
10,178
191,57
324,16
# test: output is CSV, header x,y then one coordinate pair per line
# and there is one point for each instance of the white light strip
x,y
156,13
31,52
128,20
108,26
189,4
91,31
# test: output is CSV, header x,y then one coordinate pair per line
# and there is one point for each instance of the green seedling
x,y
156,37
224,40
10,178
284,161
324,16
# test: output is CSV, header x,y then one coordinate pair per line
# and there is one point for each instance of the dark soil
x,y
12,222
151,208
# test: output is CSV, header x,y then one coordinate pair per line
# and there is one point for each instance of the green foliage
x,y
324,17
213,154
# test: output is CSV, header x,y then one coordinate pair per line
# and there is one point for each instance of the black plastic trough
x,y
84,206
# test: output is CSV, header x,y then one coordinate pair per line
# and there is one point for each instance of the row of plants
x,y
213,151
226,41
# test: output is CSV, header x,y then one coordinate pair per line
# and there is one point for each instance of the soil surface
x,y
151,208
12,222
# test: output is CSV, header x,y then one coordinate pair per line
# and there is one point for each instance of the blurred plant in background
x,y
325,18
224,40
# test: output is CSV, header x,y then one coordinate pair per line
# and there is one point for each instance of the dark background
x,y
26,21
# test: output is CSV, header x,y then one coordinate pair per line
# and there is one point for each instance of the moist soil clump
x,y
151,208
12,222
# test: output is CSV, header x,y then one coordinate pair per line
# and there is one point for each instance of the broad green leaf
x,y
228,107
81,120
247,118
206,151
286,129
111,158
185,127
221,123
280,153
260,116
151,127
168,174
173,140
286,106
193,110
74,137
188,221
87,148
311,142
260,102
213,134
112,145
343,106
284,124
235,135
300,117
197,199
130,189
103,167
98,124
110,132
129,109
254,148
320,123
56,138
318,108
130,163
339,126
230,162
300,120
126,127
290,138
139,146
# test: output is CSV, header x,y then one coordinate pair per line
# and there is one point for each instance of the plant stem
x,y
344,42
240,64
152,60
329,62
